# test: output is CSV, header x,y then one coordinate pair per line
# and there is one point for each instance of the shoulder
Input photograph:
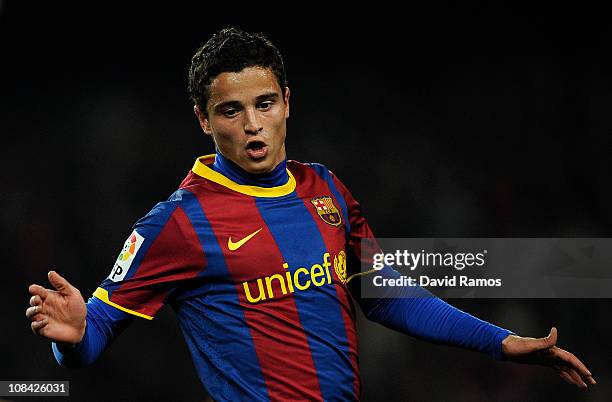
x,y
165,211
309,169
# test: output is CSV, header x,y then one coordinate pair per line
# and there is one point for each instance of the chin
x,y
257,167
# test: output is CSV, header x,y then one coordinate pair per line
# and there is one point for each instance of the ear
x,y
203,120
286,100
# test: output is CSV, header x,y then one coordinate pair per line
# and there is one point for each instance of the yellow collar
x,y
204,171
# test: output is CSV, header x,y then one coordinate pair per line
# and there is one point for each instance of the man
x,y
259,258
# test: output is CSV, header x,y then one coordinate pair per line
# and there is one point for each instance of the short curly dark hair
x,y
231,50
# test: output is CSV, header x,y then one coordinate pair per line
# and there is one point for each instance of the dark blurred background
x,y
444,120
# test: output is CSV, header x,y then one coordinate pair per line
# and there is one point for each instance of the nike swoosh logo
x,y
235,246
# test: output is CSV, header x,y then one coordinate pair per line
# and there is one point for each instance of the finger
x,y
550,340
38,317
552,337
38,325
568,378
35,300
545,343
571,360
576,377
32,311
570,375
38,290
590,381
530,345
58,282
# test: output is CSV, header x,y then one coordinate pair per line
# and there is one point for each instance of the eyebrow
x,y
266,96
235,104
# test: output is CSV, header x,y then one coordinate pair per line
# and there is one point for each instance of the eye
x,y
265,105
230,112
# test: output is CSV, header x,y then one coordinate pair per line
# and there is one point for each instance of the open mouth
x,y
256,149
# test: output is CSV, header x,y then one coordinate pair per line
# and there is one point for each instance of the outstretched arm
x,y
419,313
413,310
157,255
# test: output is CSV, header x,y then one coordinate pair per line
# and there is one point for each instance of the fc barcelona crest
x,y
327,210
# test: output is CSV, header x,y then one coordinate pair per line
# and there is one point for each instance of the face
x,y
247,118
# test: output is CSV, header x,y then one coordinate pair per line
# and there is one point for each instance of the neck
x,y
276,177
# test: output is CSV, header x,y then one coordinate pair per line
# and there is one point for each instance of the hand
x,y
58,315
543,351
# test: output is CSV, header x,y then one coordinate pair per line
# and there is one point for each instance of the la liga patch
x,y
126,256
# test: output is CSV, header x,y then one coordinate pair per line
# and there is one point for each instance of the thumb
x,y
59,282
550,340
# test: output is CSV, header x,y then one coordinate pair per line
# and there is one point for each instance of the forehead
x,y
248,83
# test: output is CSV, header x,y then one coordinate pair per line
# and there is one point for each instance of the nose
x,y
252,124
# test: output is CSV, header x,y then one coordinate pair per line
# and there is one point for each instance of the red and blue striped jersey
x,y
257,277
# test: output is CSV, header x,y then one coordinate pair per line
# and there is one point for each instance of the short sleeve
x,y
162,252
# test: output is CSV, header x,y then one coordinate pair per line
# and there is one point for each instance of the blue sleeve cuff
x,y
104,323
498,351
